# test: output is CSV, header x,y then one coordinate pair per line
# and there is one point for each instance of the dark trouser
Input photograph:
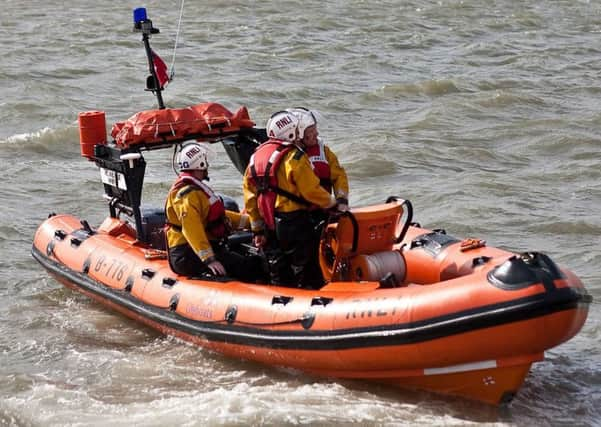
x,y
184,261
299,241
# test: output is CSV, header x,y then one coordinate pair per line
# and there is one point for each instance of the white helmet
x,y
282,125
306,119
193,156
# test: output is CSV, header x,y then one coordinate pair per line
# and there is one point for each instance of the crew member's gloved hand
x,y
341,204
259,240
216,268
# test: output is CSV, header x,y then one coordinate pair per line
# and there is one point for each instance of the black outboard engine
x,y
240,147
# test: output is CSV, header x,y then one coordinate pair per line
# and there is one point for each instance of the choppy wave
x,y
429,88
28,137
60,143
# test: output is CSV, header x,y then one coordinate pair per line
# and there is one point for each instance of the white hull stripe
x,y
486,364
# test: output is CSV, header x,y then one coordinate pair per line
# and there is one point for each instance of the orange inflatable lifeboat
x,y
403,305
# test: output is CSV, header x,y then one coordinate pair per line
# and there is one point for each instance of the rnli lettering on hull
x,y
205,311
376,307
195,311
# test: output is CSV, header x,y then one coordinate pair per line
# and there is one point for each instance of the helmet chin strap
x,y
206,175
200,174
300,144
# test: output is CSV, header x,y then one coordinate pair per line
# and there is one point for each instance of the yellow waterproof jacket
x,y
337,175
187,208
294,175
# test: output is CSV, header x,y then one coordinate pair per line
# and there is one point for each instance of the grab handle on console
x,y
409,209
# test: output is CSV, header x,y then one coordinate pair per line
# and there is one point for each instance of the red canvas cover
x,y
203,121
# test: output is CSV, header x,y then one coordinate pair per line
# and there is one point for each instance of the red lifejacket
x,y
263,168
321,167
216,223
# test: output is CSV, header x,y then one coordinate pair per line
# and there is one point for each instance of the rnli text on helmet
x,y
284,121
192,151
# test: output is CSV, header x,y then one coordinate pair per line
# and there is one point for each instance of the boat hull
x,y
461,336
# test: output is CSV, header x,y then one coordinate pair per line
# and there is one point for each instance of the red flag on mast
x,y
160,68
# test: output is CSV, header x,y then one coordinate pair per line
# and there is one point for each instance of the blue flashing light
x,y
140,15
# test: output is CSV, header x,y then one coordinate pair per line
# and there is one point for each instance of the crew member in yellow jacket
x,y
280,188
198,223
326,166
